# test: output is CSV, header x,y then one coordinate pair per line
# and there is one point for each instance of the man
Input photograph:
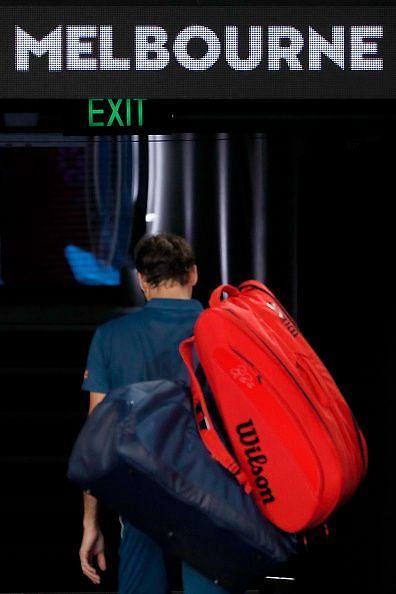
x,y
139,347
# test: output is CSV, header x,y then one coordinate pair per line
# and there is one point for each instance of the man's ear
x,y
194,275
142,282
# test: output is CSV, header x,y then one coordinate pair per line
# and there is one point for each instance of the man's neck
x,y
169,292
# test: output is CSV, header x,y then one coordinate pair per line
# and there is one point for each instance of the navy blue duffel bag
x,y
140,453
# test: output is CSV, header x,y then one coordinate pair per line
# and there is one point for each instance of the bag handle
x,y
255,285
215,298
206,428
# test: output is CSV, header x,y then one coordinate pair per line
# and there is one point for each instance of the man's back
x,y
141,346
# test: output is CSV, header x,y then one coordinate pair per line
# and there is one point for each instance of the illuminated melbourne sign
x,y
197,53
90,48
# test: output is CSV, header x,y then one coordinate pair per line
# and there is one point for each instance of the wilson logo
x,y
276,309
290,327
284,319
248,437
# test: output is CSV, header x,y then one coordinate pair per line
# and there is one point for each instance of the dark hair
x,y
164,257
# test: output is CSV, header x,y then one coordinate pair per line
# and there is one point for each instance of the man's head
x,y
166,266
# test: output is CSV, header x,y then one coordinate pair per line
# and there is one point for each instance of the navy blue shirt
x,y
141,346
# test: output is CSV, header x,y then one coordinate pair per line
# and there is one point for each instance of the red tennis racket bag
x,y
295,444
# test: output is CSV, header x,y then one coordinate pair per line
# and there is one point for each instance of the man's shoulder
x,y
121,322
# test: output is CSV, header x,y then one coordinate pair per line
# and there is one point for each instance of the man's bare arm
x,y
92,544
94,399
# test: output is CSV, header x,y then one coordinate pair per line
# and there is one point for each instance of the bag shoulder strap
x,y
206,427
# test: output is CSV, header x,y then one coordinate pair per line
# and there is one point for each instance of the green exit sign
x,y
123,112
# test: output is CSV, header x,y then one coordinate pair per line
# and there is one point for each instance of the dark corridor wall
x,y
346,252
